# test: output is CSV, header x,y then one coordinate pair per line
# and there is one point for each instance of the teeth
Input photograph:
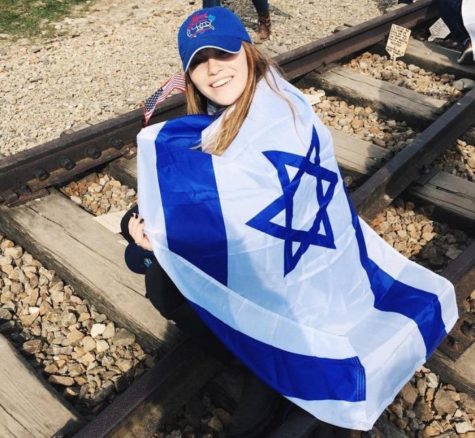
x,y
221,82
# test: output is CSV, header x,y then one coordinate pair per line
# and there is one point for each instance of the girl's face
x,y
220,76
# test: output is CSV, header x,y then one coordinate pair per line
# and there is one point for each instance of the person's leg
x,y
262,6
211,3
169,301
451,13
263,18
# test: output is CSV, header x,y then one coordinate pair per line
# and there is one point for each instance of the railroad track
x,y
82,252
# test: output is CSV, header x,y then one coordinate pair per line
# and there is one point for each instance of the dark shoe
x,y
466,57
256,409
263,26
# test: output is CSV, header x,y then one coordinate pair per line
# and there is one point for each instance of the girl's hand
x,y
136,230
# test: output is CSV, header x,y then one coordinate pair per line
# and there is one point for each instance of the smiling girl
x,y
222,69
249,240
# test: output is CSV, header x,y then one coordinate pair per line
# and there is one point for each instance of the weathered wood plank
x,y
451,193
28,406
460,373
356,155
415,108
436,58
82,252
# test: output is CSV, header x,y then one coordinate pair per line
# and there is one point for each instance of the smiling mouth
x,y
221,82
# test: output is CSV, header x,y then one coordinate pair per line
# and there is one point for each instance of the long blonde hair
x,y
258,65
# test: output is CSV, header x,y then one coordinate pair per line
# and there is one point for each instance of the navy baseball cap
x,y
216,28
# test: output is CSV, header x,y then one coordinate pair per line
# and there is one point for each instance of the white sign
x,y
438,30
397,41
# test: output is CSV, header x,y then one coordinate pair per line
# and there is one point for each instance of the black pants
x,y
169,301
262,6
451,13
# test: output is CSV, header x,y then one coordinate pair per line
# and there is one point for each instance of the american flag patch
x,y
176,82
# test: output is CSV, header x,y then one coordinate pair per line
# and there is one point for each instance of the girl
x,y
244,208
221,76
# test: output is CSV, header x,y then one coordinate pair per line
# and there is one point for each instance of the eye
x,y
198,59
221,54
205,54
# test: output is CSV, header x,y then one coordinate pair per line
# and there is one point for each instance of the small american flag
x,y
176,82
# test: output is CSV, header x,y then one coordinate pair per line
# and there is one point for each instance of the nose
x,y
214,66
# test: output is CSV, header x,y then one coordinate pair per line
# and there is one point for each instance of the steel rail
x,y
24,174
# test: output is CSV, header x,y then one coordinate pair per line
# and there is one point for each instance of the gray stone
x,y
88,343
109,331
467,403
123,338
409,395
68,318
14,252
61,380
124,364
75,370
28,320
97,330
33,346
215,424
50,369
5,314
423,411
101,346
432,380
74,337
443,403
464,427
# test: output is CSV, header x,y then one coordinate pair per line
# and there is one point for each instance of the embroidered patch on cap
x,y
199,24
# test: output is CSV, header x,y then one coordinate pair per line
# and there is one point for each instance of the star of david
x,y
320,233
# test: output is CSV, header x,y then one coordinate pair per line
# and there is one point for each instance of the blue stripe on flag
x,y
291,374
392,295
190,199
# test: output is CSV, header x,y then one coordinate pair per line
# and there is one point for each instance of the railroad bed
x,y
408,160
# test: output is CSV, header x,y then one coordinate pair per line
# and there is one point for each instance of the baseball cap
x,y
216,28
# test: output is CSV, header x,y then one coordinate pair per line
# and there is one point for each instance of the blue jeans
x,y
262,6
211,3
451,13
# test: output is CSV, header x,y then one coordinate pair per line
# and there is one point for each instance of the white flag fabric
x,y
264,242
468,16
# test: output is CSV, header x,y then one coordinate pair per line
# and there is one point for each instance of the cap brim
x,y
229,44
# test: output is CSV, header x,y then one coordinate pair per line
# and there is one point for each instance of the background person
x,y
453,12
263,15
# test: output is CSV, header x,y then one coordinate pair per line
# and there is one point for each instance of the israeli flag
x,y
265,244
